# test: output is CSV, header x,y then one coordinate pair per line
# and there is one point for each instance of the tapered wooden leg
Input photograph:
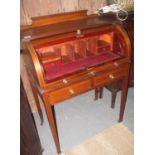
x,y
52,122
96,93
113,99
101,92
123,97
35,94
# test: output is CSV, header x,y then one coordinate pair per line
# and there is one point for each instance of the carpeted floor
x,y
117,140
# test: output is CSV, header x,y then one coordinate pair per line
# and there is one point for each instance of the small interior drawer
x,y
68,92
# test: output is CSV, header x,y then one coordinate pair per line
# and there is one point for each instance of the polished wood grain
x,y
35,94
123,96
68,92
52,123
55,18
110,76
70,85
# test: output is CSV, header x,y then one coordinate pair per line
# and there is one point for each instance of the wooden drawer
x,y
68,92
110,76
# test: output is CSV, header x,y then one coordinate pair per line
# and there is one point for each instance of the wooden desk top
x,y
65,27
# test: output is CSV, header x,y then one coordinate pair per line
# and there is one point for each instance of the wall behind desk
x,y
35,8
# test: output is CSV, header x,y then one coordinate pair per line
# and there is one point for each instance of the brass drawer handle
x,y
111,76
71,91
116,64
92,73
79,34
64,81
27,38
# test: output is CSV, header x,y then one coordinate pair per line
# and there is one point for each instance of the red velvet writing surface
x,y
58,71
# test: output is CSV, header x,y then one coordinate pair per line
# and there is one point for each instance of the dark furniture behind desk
x,y
29,139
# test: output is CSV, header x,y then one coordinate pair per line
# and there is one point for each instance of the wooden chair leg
x,y
101,92
96,94
113,99
35,94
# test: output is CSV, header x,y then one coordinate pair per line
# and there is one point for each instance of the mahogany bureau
x,y
70,56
